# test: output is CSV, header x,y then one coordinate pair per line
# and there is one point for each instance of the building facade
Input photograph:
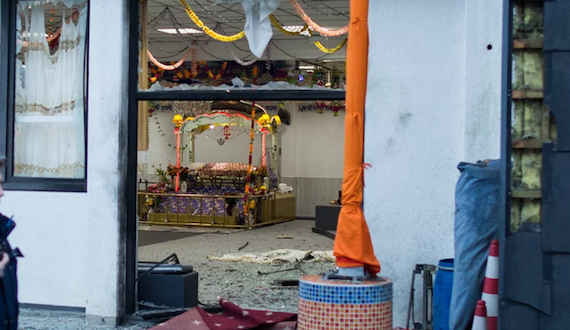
x,y
433,100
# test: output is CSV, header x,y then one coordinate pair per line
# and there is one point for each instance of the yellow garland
x,y
206,29
330,50
280,27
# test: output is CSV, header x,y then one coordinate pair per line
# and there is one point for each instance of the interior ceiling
x,y
230,19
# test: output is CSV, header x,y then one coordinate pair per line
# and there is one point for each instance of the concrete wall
x,y
433,101
72,241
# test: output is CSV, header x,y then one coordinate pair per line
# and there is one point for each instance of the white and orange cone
x,y
491,286
480,318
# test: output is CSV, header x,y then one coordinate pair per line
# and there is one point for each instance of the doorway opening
x,y
235,153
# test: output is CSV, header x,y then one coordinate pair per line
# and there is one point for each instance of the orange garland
x,y
219,75
249,167
194,67
315,26
168,67
174,66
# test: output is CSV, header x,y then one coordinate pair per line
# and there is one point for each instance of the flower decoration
x,y
174,170
320,107
157,188
260,171
162,174
219,75
206,29
227,132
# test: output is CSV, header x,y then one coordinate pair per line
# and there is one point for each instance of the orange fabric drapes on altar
x,y
353,246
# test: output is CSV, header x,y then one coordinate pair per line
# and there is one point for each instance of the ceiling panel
x,y
230,19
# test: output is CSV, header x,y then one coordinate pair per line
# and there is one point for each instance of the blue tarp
x,y
476,225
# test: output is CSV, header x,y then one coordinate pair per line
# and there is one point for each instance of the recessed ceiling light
x,y
306,67
182,31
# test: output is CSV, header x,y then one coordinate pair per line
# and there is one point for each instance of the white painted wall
x,y
107,161
483,79
51,232
234,150
312,146
433,101
71,241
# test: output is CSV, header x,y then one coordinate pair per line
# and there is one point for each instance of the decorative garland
x,y
219,75
194,67
213,13
164,66
281,28
322,12
324,31
292,56
268,61
319,106
330,50
249,167
152,113
206,29
240,61
193,72
168,16
166,52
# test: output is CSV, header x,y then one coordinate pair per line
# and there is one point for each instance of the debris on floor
x,y
239,281
277,257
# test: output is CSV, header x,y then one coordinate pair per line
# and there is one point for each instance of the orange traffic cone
x,y
480,318
491,286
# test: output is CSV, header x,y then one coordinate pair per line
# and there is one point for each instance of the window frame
x,y
7,108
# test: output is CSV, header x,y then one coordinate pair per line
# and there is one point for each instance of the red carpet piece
x,y
191,320
231,318
235,318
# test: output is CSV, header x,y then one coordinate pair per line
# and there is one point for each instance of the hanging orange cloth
x,y
353,246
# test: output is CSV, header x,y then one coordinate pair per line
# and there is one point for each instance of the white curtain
x,y
49,137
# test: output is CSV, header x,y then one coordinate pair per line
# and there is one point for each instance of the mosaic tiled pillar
x,y
336,305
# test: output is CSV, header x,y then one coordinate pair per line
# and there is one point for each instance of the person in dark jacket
x,y
9,309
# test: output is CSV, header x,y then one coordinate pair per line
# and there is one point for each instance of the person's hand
x,y
3,263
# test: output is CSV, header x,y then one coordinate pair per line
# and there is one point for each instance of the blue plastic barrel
x,y
442,294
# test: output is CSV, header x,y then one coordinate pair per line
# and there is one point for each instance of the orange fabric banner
x,y
353,246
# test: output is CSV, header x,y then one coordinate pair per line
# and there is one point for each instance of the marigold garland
x,y
280,27
194,67
206,29
315,26
330,50
219,75
249,167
